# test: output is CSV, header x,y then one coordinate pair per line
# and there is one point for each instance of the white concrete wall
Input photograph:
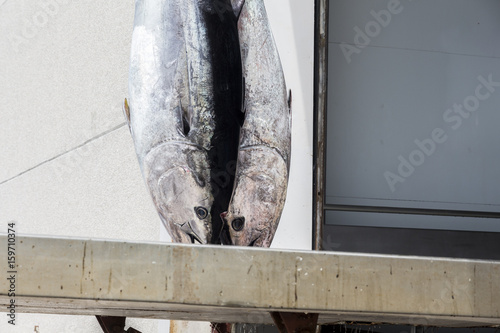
x,y
67,163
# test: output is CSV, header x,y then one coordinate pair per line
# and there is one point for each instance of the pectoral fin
x,y
183,125
289,110
289,100
241,115
126,113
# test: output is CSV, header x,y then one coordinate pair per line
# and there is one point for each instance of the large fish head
x,y
258,198
185,205
181,193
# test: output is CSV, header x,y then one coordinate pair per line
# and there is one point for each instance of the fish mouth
x,y
225,236
187,228
195,239
252,243
241,242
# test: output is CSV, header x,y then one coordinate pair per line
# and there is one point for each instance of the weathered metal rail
x,y
234,284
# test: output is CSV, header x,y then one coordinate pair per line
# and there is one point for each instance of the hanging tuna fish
x,y
184,111
265,140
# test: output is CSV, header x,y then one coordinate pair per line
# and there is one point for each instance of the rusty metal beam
x,y
320,113
110,324
290,322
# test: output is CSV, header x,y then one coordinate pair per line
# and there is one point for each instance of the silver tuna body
x,y
174,113
265,140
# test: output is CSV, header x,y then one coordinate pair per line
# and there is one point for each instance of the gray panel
x,y
388,98
415,242
363,219
449,26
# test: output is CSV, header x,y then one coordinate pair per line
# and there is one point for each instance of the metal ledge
x,y
235,284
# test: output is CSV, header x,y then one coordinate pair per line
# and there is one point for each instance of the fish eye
x,y
201,212
238,223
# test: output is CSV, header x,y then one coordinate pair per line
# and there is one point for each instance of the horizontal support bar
x,y
414,211
235,284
